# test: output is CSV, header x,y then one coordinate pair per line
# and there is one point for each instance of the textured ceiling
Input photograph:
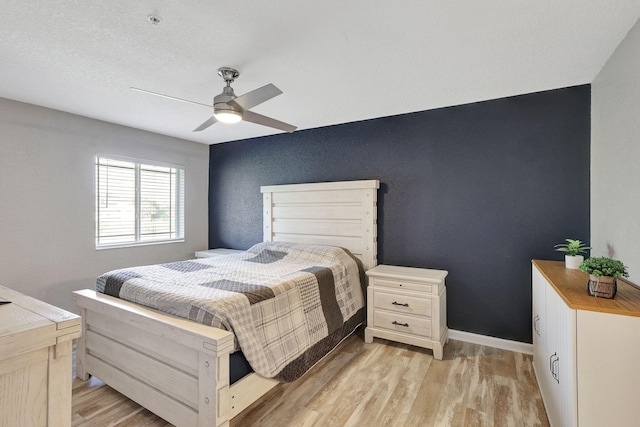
x,y
335,61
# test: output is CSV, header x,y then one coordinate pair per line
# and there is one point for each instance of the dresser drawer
x,y
400,284
400,303
402,323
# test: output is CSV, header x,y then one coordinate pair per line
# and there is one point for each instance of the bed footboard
x,y
176,368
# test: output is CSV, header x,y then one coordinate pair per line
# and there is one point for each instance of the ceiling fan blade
x,y
256,97
210,121
168,97
250,116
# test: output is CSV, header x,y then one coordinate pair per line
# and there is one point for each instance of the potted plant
x,y
603,273
572,248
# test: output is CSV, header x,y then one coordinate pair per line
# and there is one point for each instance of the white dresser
x,y
35,362
407,305
586,350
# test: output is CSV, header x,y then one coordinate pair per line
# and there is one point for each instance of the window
x,y
138,203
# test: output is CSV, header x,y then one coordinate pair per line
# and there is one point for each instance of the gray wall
x,y
615,156
478,190
47,228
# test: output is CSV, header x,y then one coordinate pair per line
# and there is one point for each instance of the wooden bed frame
x,y
179,369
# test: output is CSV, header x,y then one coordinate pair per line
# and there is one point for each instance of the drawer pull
x,y
399,303
553,367
406,325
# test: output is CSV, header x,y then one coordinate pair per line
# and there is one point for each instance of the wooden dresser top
x,y
27,325
571,285
25,312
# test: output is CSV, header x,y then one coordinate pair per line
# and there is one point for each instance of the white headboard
x,y
326,213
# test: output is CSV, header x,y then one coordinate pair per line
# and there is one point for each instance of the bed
x,y
179,369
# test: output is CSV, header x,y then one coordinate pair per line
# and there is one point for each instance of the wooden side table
x,y
407,305
35,361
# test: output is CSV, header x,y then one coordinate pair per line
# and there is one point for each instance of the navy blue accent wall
x,y
478,190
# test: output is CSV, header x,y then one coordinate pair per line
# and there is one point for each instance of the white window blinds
x,y
138,203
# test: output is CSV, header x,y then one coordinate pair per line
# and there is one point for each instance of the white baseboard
x,y
517,346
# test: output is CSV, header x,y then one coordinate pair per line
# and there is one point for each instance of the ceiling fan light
x,y
227,116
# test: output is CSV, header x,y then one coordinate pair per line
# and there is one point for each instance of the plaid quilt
x,y
287,304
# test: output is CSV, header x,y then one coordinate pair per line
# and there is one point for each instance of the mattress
x,y
287,304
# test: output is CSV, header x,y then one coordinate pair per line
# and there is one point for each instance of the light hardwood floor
x,y
379,384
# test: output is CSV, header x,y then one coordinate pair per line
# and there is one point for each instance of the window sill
x,y
135,244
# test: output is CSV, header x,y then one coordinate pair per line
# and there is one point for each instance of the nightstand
x,y
216,252
407,305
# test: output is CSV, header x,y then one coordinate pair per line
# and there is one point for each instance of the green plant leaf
x,y
603,266
572,247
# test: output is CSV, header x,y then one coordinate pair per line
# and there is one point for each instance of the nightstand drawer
x,y
402,303
400,284
402,323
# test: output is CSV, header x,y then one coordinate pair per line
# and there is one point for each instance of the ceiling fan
x,y
229,108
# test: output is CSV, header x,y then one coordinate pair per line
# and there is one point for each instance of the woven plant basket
x,y
602,286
